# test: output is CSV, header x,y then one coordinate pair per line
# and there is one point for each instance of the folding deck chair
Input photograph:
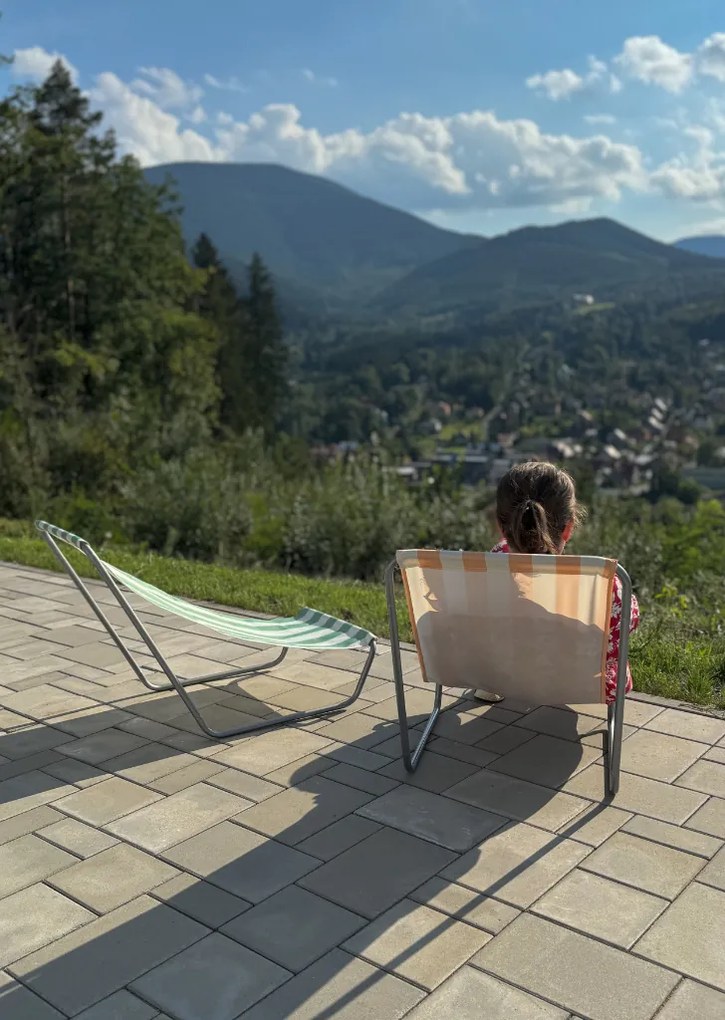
x,y
535,628
309,630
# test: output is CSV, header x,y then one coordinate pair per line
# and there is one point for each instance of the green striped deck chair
x,y
310,630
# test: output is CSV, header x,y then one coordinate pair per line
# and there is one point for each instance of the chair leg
x,y
614,751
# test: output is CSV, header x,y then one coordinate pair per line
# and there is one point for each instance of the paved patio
x,y
300,873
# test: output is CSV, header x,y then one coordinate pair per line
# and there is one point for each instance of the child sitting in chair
x,y
537,511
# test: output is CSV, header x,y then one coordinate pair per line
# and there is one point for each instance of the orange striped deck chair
x,y
534,628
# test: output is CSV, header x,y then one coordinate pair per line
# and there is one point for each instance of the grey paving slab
x,y
302,810
639,794
515,798
561,722
517,864
658,755
121,1005
461,752
339,836
645,865
148,762
215,979
715,754
17,1003
103,802
465,727
595,824
436,772
201,900
266,752
546,760
462,997
102,746
27,860
597,906
359,729
87,965
360,779
443,821
176,818
244,785
705,776
35,737
294,927
690,935
472,907
31,763
241,861
339,986
372,875
182,779
692,1001
417,943
673,835
32,918
77,837
710,818
714,872
28,821
576,972
691,725
112,877
45,701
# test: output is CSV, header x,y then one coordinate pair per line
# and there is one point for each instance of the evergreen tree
x,y
267,352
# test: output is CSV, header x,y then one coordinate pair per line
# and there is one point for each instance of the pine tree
x,y
267,352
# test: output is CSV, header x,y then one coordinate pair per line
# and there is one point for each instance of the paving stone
x,y
709,818
33,739
302,810
200,900
215,979
690,935
465,727
691,1001
121,1005
87,965
461,996
250,787
575,971
30,763
714,872
182,779
715,754
465,904
417,943
338,837
266,752
561,722
445,822
673,835
28,821
658,755
77,838
106,801
98,655
112,877
461,752
691,725
594,905
595,824
107,744
359,729
294,927
505,740
75,636
147,728
17,1003
705,776
89,720
27,860
241,861
638,794
515,798
342,987
76,772
357,756
374,874
435,772
33,917
649,866
517,864
360,779
549,761
176,818
148,762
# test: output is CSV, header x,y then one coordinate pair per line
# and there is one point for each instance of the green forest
x,y
157,405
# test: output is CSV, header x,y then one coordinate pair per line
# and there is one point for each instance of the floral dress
x,y
615,629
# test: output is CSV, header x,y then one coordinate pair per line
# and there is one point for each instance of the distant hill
x,y
312,232
598,256
712,245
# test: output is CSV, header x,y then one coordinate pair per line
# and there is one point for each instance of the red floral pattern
x,y
615,630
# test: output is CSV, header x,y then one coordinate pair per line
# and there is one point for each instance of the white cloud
x,y
699,176
649,59
316,79
230,84
166,88
35,63
563,84
599,118
711,56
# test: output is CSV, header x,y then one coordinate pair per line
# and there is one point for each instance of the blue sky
x,y
477,114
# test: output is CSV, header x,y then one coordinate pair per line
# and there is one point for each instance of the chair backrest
x,y
529,627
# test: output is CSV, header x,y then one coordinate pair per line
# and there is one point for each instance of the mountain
x,y
311,232
535,264
712,245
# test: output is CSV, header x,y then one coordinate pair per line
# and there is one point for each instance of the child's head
x,y
536,508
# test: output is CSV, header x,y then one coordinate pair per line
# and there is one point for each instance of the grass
x,y
673,657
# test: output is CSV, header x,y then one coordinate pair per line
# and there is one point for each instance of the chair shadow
x,y
253,866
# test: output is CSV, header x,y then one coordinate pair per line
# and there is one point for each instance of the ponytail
x,y
530,529
535,502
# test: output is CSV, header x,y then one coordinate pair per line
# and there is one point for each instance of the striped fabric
x,y
310,629
529,627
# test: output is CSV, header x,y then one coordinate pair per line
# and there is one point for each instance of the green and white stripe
x,y
310,629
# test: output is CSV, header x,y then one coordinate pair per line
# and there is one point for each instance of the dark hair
x,y
534,503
